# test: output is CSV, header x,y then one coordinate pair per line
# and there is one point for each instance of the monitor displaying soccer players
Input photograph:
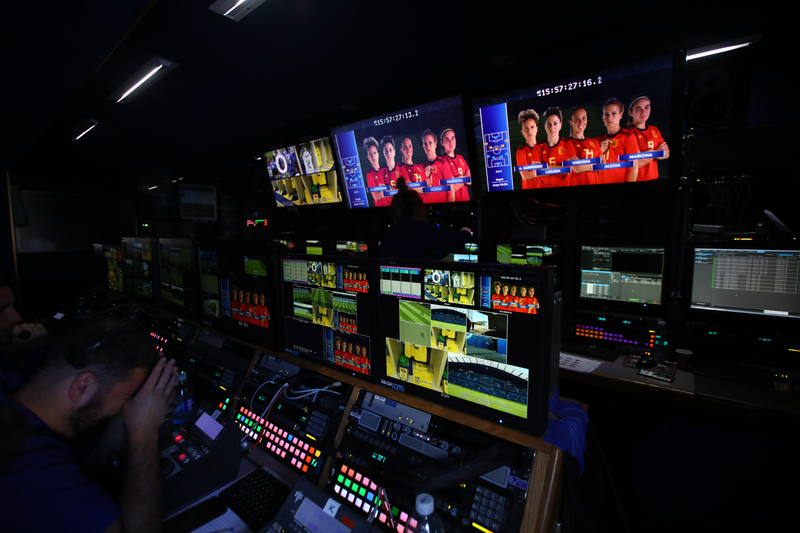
x,y
426,145
328,311
602,127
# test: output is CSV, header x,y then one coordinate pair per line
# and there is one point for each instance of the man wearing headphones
x,y
102,368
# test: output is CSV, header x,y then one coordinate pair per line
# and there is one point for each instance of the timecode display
x,y
555,89
396,118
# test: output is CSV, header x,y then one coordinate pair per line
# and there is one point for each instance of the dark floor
x,y
692,466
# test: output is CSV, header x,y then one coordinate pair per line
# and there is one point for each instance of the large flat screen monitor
x,y
329,311
237,281
180,279
141,268
594,127
425,144
480,338
748,281
622,274
303,174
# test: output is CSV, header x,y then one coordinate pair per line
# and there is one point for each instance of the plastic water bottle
x,y
183,404
424,519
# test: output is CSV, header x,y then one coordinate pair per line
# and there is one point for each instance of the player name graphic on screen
x,y
589,129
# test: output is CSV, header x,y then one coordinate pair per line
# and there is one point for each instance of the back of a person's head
x,y
109,347
407,204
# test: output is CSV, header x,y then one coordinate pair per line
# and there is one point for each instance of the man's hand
x,y
36,336
145,412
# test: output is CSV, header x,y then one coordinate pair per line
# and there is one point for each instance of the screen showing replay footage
x,y
465,334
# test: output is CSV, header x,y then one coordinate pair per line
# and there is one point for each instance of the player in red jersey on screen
x,y
512,300
457,163
262,312
533,303
391,171
648,137
337,351
616,142
363,361
584,148
522,305
554,150
527,154
497,296
412,172
435,169
374,176
234,299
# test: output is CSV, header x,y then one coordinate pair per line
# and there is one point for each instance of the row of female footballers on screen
x,y
505,298
347,325
348,355
255,313
355,281
435,169
636,138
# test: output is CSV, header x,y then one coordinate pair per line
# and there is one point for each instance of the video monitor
x,y
304,174
141,270
329,311
480,338
622,274
180,283
528,254
426,145
747,281
352,247
109,260
600,126
237,282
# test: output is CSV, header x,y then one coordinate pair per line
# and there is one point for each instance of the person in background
x,y
411,236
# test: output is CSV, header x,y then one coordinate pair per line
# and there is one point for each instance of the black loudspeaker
x,y
718,90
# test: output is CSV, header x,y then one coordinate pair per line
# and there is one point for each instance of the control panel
x,y
391,452
291,413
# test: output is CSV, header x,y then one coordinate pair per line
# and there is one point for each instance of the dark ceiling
x,y
239,83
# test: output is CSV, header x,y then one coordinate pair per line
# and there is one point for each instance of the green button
x,y
395,511
340,478
362,492
347,483
238,416
355,487
259,428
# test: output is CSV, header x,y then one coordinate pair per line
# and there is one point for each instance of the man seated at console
x,y
100,369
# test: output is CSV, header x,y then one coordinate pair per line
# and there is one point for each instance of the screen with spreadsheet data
x,y
761,282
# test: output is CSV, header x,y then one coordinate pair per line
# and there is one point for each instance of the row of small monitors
x,y
446,330
599,127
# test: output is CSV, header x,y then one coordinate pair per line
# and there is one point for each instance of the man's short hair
x,y
124,345
527,114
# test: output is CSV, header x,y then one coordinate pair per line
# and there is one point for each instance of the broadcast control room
x,y
412,268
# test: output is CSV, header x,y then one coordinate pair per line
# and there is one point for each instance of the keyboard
x,y
579,348
256,498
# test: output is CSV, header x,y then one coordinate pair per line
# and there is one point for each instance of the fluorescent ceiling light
x,y
154,69
235,9
82,128
719,48
153,187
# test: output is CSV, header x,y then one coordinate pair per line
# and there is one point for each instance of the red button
x,y
349,523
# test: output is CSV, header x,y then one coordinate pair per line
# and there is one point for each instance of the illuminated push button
x,y
317,453
395,511
400,528
403,516
363,492
308,459
302,455
373,486
359,501
350,472
413,523
340,479
370,497
355,487
271,426
293,449
283,455
382,518
305,468
367,507
305,447
344,469
311,450
336,489
294,461
366,481
347,483
351,497
358,477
